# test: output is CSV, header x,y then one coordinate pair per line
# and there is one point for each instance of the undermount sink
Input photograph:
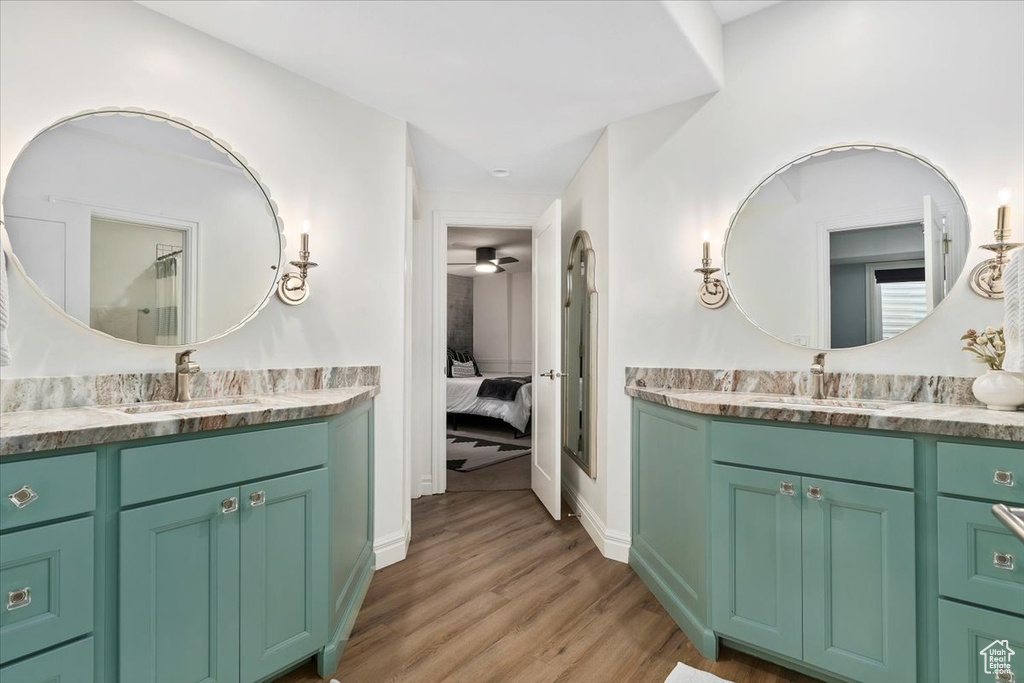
x,y
807,402
175,407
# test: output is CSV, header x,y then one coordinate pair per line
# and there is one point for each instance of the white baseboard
x,y
391,548
426,486
613,544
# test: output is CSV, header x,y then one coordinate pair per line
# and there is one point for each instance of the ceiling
x,y
462,244
524,85
731,10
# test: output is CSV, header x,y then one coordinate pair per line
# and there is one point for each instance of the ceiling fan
x,y
487,261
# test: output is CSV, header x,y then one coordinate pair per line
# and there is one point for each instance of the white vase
x,y
1000,389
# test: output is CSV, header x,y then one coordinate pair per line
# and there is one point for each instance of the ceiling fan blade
x,y
450,263
499,269
504,259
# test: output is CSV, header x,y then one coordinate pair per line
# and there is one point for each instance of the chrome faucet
x,y
184,368
818,376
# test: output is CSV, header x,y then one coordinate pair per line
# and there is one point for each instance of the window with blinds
x,y
903,304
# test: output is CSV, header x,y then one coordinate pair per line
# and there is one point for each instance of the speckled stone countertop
x,y
50,413
44,430
711,392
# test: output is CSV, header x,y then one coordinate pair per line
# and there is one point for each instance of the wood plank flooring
x,y
493,589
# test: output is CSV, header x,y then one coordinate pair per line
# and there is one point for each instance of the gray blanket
x,y
502,388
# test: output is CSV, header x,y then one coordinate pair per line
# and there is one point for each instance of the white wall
x,y
325,157
503,322
423,362
945,80
585,207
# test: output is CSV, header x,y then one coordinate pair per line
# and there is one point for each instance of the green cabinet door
x,y
979,645
284,546
179,590
755,554
669,514
859,581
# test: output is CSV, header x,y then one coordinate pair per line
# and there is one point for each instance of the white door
x,y
546,464
934,253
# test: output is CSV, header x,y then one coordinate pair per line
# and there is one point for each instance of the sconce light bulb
x,y
705,236
305,227
1004,196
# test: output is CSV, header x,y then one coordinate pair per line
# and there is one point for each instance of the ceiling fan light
x,y
486,268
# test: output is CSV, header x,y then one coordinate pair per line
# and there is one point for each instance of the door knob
x,y
551,374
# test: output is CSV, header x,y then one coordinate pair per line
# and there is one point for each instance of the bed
x,y
462,398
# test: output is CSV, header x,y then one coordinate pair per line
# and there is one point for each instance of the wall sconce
x,y
712,292
987,276
293,288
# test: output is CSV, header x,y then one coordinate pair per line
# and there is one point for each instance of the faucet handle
x,y
183,356
819,359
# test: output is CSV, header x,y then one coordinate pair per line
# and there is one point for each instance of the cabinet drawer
x,y
979,559
885,460
46,586
68,664
46,488
965,631
990,472
181,467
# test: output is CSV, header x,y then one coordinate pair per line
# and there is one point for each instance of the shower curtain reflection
x,y
168,298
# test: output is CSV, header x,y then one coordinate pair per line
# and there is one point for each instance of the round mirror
x,y
846,246
142,227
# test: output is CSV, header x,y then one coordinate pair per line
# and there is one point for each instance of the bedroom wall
x,y
798,76
325,157
503,322
460,312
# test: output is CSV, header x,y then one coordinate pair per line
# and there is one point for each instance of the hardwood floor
x,y
493,589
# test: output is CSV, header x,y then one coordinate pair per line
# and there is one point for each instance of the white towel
x,y
5,302
1013,316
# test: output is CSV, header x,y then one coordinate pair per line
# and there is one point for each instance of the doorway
x,y
489,392
545,457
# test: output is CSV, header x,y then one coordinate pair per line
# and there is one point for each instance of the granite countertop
x,y
943,419
30,431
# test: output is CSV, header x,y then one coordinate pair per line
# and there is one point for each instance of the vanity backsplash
x,y
917,388
44,393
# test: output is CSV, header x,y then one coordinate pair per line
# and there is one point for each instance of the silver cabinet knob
x,y
786,488
1002,560
23,496
257,498
17,599
229,505
1002,478
814,492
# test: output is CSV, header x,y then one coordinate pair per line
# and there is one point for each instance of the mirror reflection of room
x,y
490,359
142,228
847,247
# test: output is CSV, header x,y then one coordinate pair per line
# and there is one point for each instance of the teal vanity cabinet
x,y
849,554
670,515
222,556
981,564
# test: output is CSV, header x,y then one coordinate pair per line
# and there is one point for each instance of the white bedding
x,y
462,398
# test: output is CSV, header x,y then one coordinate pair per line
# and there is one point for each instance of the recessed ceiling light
x,y
500,172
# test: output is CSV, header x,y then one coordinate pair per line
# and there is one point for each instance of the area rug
x,y
687,674
467,453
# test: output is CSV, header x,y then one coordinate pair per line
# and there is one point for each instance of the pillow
x,y
463,369
462,357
